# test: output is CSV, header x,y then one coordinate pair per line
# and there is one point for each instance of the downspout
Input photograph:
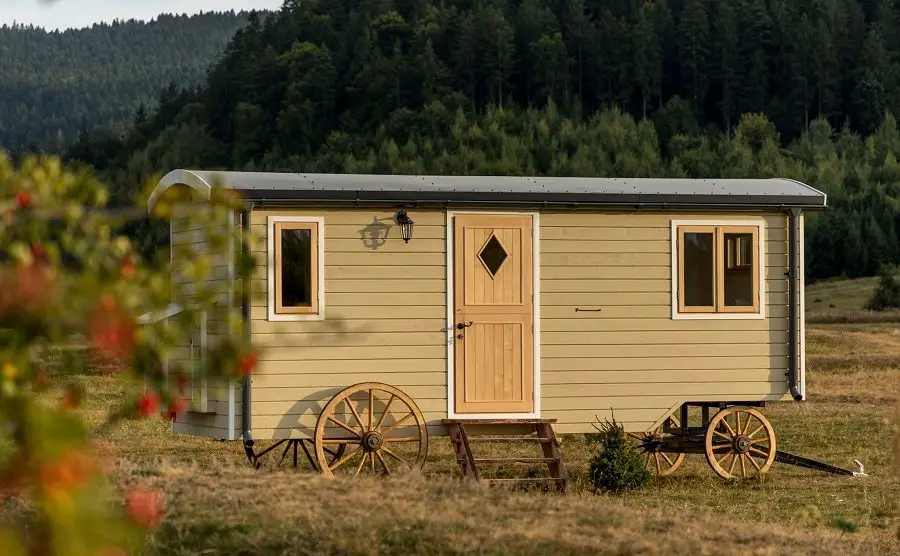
x,y
245,314
793,298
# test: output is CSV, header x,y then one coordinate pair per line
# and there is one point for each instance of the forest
x,y
702,88
54,85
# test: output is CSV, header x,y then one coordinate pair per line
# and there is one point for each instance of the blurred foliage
x,y
67,279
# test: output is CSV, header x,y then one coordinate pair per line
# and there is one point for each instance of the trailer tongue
x,y
793,459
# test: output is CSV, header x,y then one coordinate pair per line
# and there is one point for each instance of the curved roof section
x,y
561,191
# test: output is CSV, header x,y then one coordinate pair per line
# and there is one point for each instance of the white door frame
x,y
451,325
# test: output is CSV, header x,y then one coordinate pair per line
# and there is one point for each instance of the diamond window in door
x,y
493,255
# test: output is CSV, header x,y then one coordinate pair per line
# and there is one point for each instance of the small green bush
x,y
618,465
887,294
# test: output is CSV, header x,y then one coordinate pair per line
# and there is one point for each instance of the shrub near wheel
x,y
380,426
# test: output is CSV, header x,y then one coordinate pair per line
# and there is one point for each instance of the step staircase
x,y
468,433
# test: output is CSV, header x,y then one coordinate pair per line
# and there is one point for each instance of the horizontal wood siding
x,y
213,424
384,321
630,358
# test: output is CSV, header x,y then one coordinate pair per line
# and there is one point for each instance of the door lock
x,y
463,326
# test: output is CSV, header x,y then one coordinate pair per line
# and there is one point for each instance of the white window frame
x,y
761,263
270,285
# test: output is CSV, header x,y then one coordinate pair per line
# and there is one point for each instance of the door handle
x,y
463,326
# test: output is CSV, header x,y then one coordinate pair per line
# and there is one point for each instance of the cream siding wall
x,y
385,322
215,422
385,311
631,358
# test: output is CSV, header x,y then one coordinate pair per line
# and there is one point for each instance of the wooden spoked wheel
x,y
298,446
659,462
380,426
740,442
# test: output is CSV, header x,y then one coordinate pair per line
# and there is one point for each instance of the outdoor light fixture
x,y
406,225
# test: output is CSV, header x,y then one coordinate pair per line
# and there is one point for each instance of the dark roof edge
x,y
275,196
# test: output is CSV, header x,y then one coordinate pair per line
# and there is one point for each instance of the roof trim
x,y
563,192
178,178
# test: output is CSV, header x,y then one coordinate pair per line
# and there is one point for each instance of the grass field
x,y
842,300
218,505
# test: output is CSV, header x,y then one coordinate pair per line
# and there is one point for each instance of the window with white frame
x,y
296,268
717,270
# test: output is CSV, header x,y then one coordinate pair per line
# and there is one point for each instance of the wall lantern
x,y
406,225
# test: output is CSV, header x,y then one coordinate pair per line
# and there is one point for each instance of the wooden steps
x,y
465,433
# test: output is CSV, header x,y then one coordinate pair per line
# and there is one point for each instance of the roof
x,y
272,188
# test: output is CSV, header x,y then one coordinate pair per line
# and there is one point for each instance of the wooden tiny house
x,y
512,299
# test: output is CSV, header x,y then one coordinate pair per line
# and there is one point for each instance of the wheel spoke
x,y
727,426
734,458
362,461
372,415
402,439
743,466
753,461
397,424
719,461
665,457
383,463
720,446
750,417
345,459
384,413
349,403
284,454
737,422
722,435
658,468
340,441
759,452
344,426
755,432
391,453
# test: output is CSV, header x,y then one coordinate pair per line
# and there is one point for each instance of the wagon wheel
x,y
333,453
740,441
381,427
657,461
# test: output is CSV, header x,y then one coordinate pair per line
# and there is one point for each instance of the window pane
x,y
739,270
698,269
296,273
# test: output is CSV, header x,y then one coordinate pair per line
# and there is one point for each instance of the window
x,y
295,268
717,270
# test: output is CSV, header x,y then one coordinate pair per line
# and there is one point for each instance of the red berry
x,y
127,267
248,363
23,199
38,252
144,506
176,408
148,404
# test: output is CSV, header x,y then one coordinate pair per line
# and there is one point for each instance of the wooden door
x,y
494,314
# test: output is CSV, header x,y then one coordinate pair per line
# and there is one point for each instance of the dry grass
x,y
217,505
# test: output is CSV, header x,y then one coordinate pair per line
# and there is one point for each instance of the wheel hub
x,y
372,441
742,444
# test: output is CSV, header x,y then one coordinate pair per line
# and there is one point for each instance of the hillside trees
x,y
574,87
54,85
